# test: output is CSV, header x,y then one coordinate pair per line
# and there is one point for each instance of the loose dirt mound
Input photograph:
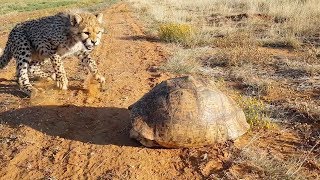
x,y
83,133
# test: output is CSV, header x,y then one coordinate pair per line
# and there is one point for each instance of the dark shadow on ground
x,y
10,87
105,125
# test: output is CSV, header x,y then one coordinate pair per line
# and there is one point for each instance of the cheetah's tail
x,y
5,58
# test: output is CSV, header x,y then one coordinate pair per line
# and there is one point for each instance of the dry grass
x,y
237,50
237,56
16,6
272,167
283,42
33,9
296,68
183,62
310,109
256,111
178,33
284,22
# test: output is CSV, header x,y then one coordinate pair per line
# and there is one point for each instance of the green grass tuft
x,y
174,32
256,112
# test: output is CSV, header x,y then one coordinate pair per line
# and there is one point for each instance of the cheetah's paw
x,y
62,82
30,91
101,80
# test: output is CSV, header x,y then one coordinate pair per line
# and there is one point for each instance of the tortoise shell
x,y
185,112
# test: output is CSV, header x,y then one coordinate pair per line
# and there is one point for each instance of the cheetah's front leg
x,y
61,77
36,71
92,66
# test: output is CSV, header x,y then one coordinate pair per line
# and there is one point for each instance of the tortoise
x,y
186,112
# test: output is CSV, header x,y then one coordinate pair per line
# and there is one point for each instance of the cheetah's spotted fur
x,y
53,37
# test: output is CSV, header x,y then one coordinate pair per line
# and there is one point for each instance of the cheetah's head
x,y
87,28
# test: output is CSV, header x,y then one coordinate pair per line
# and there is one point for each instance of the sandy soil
x,y
82,133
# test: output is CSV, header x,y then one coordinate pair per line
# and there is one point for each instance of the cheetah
x,y
53,38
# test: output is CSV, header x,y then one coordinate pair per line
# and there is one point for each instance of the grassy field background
x,y
15,6
31,9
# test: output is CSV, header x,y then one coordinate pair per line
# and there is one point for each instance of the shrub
x,y
255,111
174,32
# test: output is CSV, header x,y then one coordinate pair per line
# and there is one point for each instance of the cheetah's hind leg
x,y
22,74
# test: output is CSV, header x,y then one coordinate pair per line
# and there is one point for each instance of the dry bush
x,y
174,32
256,112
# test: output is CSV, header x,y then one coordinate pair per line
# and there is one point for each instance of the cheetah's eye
x,y
86,33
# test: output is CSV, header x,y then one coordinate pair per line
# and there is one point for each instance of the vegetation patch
x,y
183,62
174,32
285,42
32,5
255,111
269,166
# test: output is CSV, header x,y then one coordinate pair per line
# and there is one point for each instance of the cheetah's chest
x,y
65,51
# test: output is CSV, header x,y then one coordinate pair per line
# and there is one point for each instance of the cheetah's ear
x,y
78,18
75,19
99,17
